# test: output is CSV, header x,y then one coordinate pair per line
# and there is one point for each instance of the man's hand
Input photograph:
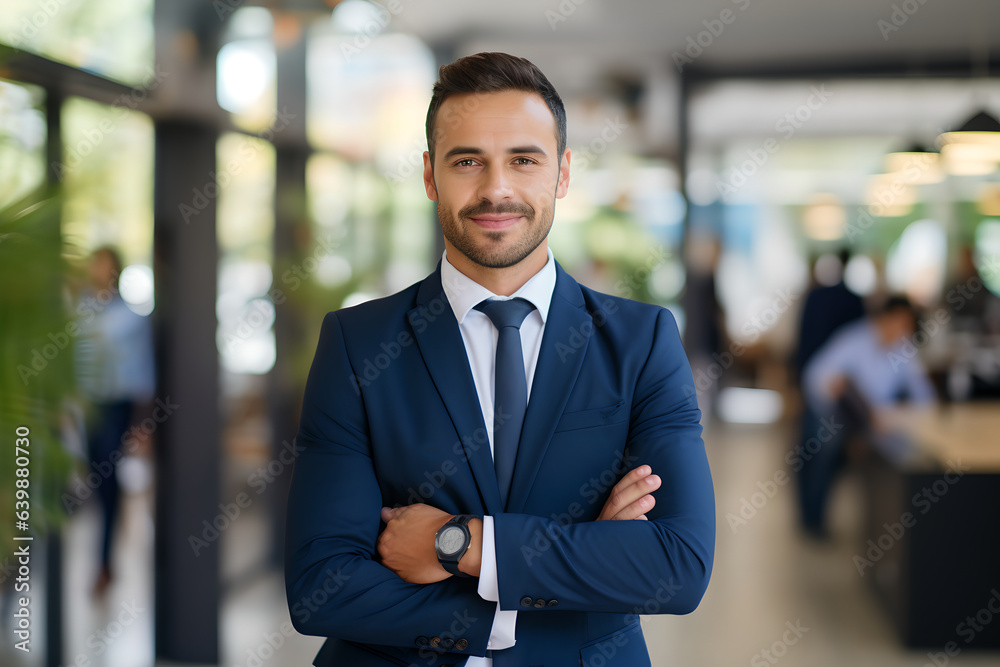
x,y
406,546
632,496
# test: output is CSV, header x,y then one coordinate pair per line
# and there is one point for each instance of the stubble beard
x,y
495,253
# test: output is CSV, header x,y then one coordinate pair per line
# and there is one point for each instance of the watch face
x,y
451,540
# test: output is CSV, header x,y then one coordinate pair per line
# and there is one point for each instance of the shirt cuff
x,y
502,633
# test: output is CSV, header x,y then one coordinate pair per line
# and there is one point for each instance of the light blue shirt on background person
x,y
114,354
882,373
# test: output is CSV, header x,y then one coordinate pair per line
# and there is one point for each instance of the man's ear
x,y
562,187
429,186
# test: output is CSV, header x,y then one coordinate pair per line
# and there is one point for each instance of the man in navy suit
x,y
500,466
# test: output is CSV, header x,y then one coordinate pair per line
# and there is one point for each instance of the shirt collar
x,y
464,293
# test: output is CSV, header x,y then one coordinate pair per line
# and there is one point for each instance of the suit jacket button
x,y
421,641
553,603
462,644
447,643
539,603
435,642
526,601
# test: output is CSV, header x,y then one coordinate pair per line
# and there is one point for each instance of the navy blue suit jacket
x,y
391,417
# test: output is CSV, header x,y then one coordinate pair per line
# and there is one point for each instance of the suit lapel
x,y
564,345
443,350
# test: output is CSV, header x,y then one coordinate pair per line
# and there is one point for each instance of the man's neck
x,y
503,282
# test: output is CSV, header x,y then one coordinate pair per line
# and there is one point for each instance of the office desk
x,y
932,524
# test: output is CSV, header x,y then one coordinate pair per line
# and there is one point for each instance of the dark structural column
x,y
188,438
291,231
188,442
53,543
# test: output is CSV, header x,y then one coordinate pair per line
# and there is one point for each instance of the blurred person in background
x,y
115,370
974,327
971,304
867,364
704,329
827,308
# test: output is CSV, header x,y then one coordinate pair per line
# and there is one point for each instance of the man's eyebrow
x,y
528,149
471,150
463,150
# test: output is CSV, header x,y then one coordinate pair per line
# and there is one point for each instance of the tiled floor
x,y
118,628
765,578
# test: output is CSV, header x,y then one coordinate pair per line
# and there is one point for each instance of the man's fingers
x,y
631,489
623,496
388,514
636,510
634,476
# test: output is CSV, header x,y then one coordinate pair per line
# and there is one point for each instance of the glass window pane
x,y
246,77
915,263
245,190
22,140
107,172
109,37
988,254
369,103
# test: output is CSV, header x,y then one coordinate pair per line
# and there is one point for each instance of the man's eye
x,y
465,163
522,161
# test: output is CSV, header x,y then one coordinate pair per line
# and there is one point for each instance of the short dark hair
x,y
492,72
898,303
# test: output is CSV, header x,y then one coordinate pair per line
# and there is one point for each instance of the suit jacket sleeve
x,y
334,585
656,566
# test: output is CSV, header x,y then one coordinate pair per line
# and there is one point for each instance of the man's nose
x,y
496,185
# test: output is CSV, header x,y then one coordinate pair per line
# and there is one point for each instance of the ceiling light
x,y
915,166
889,197
974,148
962,159
824,218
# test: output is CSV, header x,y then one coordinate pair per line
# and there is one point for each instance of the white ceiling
x,y
574,39
580,44
917,110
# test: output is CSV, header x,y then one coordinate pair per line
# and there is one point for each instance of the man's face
x,y
496,175
102,270
897,325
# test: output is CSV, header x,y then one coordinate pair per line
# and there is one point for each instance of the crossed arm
x,y
406,546
344,579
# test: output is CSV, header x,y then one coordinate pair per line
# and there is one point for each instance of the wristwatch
x,y
452,541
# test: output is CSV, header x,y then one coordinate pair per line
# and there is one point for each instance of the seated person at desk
x,y
871,358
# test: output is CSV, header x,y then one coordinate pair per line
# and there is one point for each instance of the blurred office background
x,y
258,164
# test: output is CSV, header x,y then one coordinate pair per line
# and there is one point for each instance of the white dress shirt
x,y
480,338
